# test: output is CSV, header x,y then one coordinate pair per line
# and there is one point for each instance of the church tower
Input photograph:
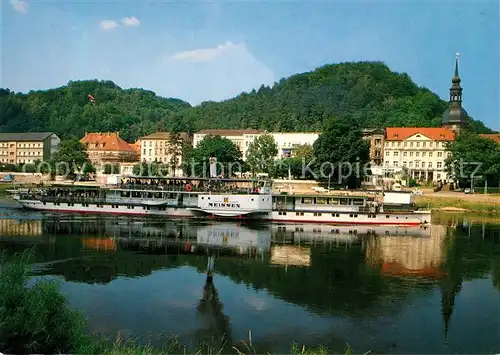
x,y
455,117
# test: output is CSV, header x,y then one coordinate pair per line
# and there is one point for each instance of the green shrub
x,y
35,319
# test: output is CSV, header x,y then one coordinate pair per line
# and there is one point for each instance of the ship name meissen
x,y
222,204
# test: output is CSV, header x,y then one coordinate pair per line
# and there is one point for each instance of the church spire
x,y
456,89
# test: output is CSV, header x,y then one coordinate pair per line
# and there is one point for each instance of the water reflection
x,y
224,278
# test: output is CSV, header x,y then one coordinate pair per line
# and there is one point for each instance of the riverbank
x,y
36,319
453,202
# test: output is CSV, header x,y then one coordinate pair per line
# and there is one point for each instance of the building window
x,y
387,153
448,154
418,144
405,164
411,164
411,144
405,153
423,154
423,164
411,154
440,154
439,164
396,154
430,165
430,154
417,164
399,144
386,163
406,144
423,144
395,163
393,144
438,176
417,154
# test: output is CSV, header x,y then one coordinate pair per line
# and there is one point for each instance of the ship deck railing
x,y
175,188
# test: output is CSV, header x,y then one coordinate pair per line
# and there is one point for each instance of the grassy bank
x,y
36,319
490,205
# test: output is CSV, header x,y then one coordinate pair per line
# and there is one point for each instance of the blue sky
x,y
214,50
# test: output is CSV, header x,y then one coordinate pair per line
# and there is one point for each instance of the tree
x,y
111,169
303,151
473,157
150,169
174,150
340,154
227,155
261,154
70,158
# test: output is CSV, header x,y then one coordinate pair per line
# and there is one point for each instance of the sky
x,y
214,50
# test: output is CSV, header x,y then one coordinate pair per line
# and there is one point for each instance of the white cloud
x,y
20,5
204,54
131,21
106,25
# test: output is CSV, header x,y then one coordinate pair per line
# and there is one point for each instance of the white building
x,y
285,141
422,151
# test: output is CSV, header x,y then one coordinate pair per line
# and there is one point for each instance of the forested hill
x,y
368,92
70,112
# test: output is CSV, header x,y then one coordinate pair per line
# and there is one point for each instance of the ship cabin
x,y
315,203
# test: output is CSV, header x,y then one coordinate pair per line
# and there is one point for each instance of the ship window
x,y
344,201
387,216
252,199
333,201
297,214
44,203
350,215
355,215
357,202
202,198
317,214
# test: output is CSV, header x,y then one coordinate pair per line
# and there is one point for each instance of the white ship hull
x,y
347,218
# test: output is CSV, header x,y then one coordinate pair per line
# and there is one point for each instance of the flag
x,y
91,98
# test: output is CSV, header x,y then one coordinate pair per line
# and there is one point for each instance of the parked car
x,y
468,191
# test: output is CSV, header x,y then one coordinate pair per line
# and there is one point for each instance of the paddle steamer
x,y
250,199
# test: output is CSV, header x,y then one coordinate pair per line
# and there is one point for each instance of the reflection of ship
x,y
231,235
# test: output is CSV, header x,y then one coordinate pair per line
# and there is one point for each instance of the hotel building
x,y
27,148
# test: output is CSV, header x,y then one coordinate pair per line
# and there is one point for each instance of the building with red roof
x,y
108,147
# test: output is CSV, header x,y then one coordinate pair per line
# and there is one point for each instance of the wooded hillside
x,y
367,92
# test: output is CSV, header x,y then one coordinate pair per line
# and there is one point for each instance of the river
x,y
385,290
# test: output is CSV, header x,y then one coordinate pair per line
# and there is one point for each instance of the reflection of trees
x,y
338,280
104,268
472,252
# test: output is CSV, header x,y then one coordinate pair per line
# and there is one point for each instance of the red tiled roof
x,y
495,137
434,133
109,141
229,132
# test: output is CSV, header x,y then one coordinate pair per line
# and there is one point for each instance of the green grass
x,y
36,319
